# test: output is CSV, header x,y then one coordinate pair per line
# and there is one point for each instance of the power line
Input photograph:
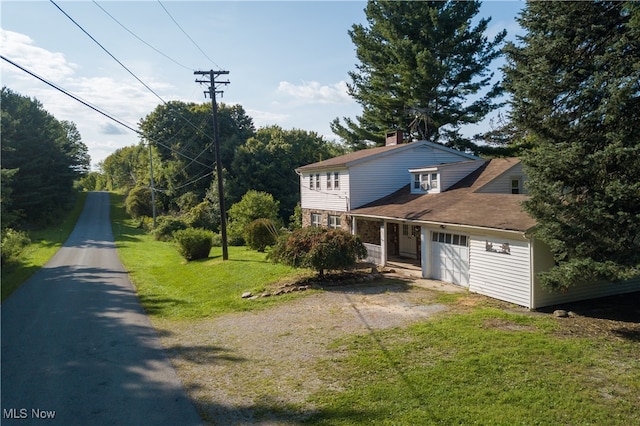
x,y
97,109
188,36
107,52
140,39
72,96
125,67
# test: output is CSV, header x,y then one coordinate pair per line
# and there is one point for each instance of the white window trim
x,y
426,181
315,223
333,221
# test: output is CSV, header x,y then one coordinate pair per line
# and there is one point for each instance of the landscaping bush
x,y
138,202
319,248
166,226
216,240
253,205
193,243
13,244
260,234
202,216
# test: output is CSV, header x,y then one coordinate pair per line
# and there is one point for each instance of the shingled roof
x,y
351,158
460,205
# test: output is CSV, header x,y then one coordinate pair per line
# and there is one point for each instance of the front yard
x,y
387,352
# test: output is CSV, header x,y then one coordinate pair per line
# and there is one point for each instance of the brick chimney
x,y
394,138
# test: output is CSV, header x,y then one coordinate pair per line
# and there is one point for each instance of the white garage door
x,y
450,258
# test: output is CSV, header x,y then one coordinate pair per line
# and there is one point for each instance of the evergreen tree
x,y
420,64
575,85
41,159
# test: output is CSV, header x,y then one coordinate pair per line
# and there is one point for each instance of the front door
x,y
393,238
417,233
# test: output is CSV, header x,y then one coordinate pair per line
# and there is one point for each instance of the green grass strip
x,y
45,243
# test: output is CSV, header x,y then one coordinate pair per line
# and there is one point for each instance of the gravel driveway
x,y
238,366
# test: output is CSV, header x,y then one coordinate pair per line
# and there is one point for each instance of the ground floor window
x,y
316,219
334,222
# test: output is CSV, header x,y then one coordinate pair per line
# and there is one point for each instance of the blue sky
x,y
288,61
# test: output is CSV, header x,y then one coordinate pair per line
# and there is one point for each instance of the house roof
x,y
362,155
460,205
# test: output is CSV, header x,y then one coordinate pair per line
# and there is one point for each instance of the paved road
x,y
77,344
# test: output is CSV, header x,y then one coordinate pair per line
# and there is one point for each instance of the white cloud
x,y
121,97
266,118
314,92
21,49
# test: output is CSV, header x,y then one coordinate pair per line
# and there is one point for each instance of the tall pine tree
x,y
575,85
423,69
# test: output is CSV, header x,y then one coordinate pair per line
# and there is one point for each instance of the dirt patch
x,y
239,366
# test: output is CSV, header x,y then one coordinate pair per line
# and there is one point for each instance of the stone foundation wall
x,y
369,231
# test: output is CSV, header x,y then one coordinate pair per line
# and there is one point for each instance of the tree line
x,y
42,157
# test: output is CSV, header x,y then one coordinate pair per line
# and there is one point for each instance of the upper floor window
x,y
317,181
336,180
310,181
329,180
515,185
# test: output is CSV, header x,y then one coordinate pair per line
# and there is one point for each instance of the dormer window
x,y
426,182
433,181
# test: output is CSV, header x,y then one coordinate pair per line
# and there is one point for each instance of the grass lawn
x,y
481,367
45,243
171,288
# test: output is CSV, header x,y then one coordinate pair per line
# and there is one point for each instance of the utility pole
x,y
153,189
216,141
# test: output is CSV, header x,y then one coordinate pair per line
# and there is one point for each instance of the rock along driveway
x,y
77,348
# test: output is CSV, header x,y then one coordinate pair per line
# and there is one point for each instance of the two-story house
x,y
455,217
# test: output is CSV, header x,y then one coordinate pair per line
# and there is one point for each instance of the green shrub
x,y
216,240
138,202
166,226
13,244
319,248
253,205
193,243
202,216
260,234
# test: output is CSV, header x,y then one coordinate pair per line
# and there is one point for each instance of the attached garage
x,y
450,258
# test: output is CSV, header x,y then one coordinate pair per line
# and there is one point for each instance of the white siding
x,y
382,176
502,276
374,253
325,199
543,297
502,183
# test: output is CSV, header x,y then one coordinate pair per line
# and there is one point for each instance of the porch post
x,y
383,245
424,251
